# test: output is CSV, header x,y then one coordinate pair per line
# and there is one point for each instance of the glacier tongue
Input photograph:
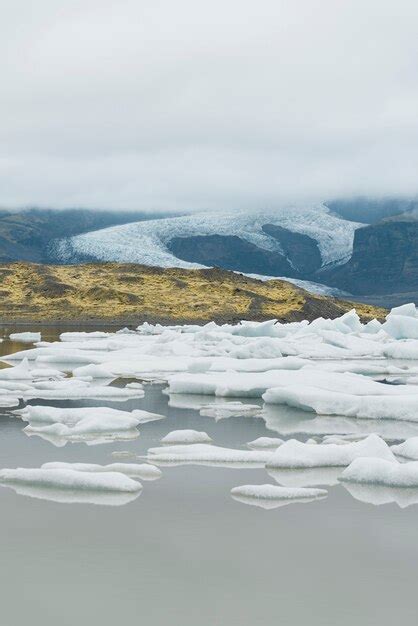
x,y
146,242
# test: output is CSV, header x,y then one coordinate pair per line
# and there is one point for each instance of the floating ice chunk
x,y
8,401
408,449
272,496
401,350
265,443
95,371
205,454
372,327
77,336
110,426
388,402
64,390
295,454
343,439
143,471
401,326
134,386
71,416
38,373
358,346
381,472
405,309
19,372
70,479
230,409
186,436
25,337
226,364
123,454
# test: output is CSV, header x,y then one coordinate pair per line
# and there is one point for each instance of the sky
x,y
197,105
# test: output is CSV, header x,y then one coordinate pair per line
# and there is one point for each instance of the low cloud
x,y
189,105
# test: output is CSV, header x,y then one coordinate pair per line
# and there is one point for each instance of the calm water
x,y
185,553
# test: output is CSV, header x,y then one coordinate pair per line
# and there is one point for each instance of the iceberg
x,y
294,454
186,436
26,337
44,415
408,449
142,471
70,479
271,496
265,443
384,472
206,454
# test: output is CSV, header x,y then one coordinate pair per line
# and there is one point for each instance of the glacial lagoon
x,y
183,550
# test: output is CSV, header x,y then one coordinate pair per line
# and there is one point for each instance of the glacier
x,y
147,242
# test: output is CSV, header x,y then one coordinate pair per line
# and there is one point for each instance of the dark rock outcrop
x,y
231,252
302,251
384,260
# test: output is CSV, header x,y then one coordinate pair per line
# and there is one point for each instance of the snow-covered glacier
x,y
147,242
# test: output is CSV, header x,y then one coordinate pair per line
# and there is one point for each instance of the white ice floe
x,y
265,443
142,471
70,479
26,337
376,471
186,436
294,454
206,454
19,372
89,427
290,422
271,496
93,371
44,415
408,449
100,424
83,336
74,389
350,395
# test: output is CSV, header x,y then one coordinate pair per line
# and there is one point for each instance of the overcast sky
x,y
194,104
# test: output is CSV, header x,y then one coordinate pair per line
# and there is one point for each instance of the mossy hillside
x,y
125,292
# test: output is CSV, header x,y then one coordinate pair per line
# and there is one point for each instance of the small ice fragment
x,y
186,436
265,443
271,496
206,454
408,449
70,479
143,471
26,337
123,454
93,371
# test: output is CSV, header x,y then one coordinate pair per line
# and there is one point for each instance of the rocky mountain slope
x,y
384,259
127,293
25,235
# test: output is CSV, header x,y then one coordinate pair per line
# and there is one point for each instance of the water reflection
x,y
307,477
75,496
379,494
